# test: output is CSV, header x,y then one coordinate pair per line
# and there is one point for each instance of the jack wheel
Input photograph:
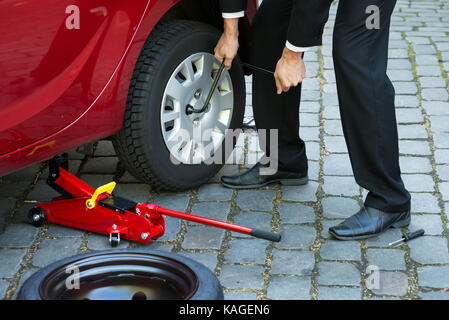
x,y
37,217
114,240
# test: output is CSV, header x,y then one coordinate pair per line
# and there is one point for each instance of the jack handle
x,y
211,222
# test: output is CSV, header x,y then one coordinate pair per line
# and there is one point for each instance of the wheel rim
x,y
121,276
195,138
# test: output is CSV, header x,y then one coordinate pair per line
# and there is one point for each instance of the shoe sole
x,y
397,224
285,182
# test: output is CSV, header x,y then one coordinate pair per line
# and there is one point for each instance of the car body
x,y
66,67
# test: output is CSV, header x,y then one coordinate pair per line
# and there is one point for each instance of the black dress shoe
x,y
369,222
253,179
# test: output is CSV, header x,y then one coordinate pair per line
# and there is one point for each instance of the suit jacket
x,y
306,22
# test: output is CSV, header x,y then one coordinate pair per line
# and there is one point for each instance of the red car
x,y
76,71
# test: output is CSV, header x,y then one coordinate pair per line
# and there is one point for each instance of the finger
x,y
228,63
279,87
285,86
218,52
218,56
278,84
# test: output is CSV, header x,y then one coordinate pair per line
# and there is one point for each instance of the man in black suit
x,y
282,31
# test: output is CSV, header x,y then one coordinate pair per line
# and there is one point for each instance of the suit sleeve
x,y
233,6
307,22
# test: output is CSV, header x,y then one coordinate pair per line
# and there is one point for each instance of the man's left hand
x,y
290,70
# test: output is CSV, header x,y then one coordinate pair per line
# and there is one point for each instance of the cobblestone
x,y
415,165
340,186
387,259
246,251
412,132
295,213
211,210
51,250
3,287
296,237
434,277
418,182
241,277
338,273
300,193
289,288
392,284
292,262
338,207
11,260
335,293
429,250
202,238
436,108
431,223
337,250
425,203
209,259
258,200
214,192
18,236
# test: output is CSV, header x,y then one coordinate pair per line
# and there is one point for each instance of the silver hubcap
x,y
194,138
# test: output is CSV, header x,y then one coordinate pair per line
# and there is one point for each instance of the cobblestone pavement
x,y
306,264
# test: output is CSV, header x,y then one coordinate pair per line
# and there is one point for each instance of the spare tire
x,y
162,144
123,274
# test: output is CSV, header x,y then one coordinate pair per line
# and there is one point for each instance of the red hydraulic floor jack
x,y
97,210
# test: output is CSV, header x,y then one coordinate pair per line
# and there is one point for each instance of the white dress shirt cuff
x,y
295,48
230,15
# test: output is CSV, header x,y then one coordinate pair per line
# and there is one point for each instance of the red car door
x,y
56,56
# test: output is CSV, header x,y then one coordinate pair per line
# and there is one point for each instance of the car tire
x,y
208,286
140,144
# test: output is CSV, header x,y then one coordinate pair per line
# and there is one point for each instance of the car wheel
x,y
162,144
123,274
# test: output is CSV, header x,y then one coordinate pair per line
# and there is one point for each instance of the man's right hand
x,y
228,45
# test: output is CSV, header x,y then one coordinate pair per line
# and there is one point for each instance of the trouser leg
x,y
272,111
366,98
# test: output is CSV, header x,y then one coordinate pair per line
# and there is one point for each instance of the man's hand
x,y
228,45
290,71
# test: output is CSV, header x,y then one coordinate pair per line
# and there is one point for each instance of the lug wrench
x,y
256,68
190,109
